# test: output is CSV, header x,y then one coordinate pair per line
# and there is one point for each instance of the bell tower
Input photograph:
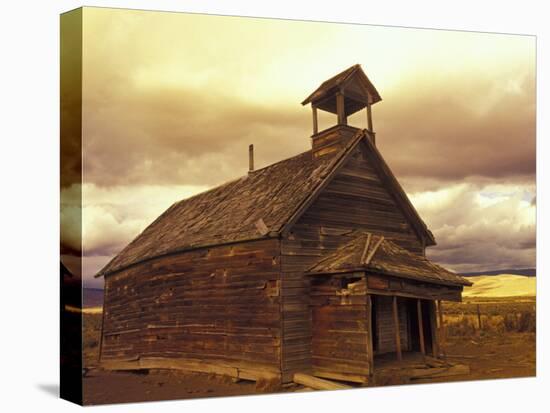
x,y
344,94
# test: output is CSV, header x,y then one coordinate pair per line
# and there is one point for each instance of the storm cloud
x,y
480,227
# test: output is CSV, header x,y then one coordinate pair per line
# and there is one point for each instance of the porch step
x,y
412,370
437,372
346,377
317,383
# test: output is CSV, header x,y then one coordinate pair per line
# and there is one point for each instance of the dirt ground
x,y
504,347
494,356
102,387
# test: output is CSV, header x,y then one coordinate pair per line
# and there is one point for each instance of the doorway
x,y
383,327
414,331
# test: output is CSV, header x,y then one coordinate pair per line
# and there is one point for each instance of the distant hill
x,y
502,285
92,297
528,272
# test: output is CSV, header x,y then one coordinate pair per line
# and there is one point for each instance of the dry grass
x,y
498,316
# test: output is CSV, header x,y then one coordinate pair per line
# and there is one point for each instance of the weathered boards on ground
x,y
315,264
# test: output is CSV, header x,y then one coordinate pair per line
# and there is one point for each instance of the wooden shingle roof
x,y
254,206
335,82
372,253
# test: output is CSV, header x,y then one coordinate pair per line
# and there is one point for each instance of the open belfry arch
x,y
344,94
314,265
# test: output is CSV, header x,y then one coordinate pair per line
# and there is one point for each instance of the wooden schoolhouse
x,y
315,264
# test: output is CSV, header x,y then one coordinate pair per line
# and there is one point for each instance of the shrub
x,y
510,322
527,322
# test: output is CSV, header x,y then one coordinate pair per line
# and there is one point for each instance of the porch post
x,y
433,325
370,349
420,326
396,326
442,331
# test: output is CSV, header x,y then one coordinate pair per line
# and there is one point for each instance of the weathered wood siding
x,y
296,339
355,199
216,304
384,285
331,140
385,325
339,329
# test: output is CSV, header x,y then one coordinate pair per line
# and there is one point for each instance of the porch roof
x,y
373,253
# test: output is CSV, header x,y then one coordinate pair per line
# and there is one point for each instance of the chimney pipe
x,y
250,158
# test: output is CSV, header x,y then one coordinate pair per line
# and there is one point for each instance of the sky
x,y
171,102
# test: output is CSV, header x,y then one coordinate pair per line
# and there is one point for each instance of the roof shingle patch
x,y
229,212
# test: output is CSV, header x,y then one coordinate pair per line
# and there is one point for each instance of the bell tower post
x,y
344,94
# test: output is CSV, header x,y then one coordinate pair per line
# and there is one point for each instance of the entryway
x,y
397,323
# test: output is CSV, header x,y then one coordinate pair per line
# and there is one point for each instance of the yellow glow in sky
x,y
280,61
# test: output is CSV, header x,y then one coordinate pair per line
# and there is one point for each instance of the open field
x,y
504,347
502,285
496,315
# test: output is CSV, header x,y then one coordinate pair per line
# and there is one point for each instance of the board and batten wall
x,y
355,198
215,309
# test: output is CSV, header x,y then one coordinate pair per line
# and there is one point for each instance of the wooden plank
x,y
396,329
373,251
391,285
366,248
433,325
240,370
315,124
369,118
102,329
441,329
439,372
342,120
317,383
420,326
251,157
354,378
370,347
260,224
449,296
